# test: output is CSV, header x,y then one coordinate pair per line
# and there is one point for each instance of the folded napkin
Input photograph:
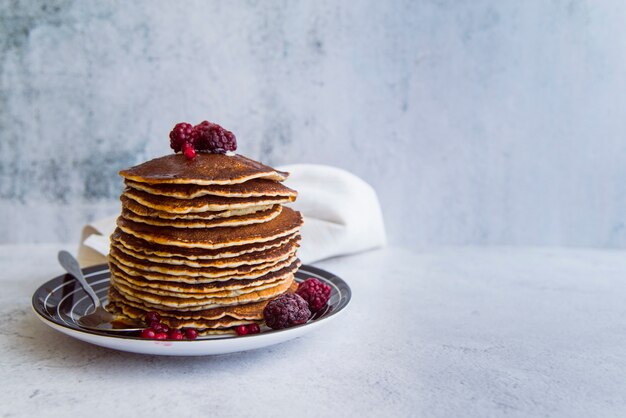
x,y
341,213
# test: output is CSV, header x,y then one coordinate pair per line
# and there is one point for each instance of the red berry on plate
x,y
253,329
148,333
315,293
188,151
191,334
286,311
160,327
152,317
180,135
175,334
160,336
241,330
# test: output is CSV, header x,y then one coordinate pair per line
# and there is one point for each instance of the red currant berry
x,y
161,327
152,317
175,334
191,334
189,151
160,336
241,330
253,329
148,333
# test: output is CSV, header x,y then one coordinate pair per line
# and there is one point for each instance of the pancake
x,y
221,331
287,223
259,257
118,281
142,210
165,302
225,323
201,204
199,289
139,245
253,218
205,169
250,311
182,270
150,271
251,188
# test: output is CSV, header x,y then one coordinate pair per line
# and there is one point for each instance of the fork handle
x,y
70,264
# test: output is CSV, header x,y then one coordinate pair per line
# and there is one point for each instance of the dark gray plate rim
x,y
62,300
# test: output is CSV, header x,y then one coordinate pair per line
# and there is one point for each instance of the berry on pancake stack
x,y
203,239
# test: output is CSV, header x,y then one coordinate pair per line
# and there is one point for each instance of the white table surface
x,y
441,332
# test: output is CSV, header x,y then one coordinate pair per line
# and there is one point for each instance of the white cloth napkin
x,y
341,213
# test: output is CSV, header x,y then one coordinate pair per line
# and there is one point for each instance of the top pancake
x,y
205,169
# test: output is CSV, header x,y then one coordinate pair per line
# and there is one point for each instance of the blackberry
x,y
286,311
212,137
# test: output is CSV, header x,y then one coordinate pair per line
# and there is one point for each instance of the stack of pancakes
x,y
205,243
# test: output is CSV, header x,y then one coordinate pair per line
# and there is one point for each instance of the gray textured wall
x,y
489,122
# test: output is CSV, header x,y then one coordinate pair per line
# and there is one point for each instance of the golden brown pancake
x,y
200,289
202,204
250,311
258,257
287,223
205,275
253,218
118,281
168,302
148,248
225,323
181,270
142,210
251,188
205,169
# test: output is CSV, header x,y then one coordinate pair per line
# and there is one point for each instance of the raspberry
x,y
315,293
286,311
180,135
212,137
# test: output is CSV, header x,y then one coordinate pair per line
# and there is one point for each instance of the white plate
x,y
60,301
